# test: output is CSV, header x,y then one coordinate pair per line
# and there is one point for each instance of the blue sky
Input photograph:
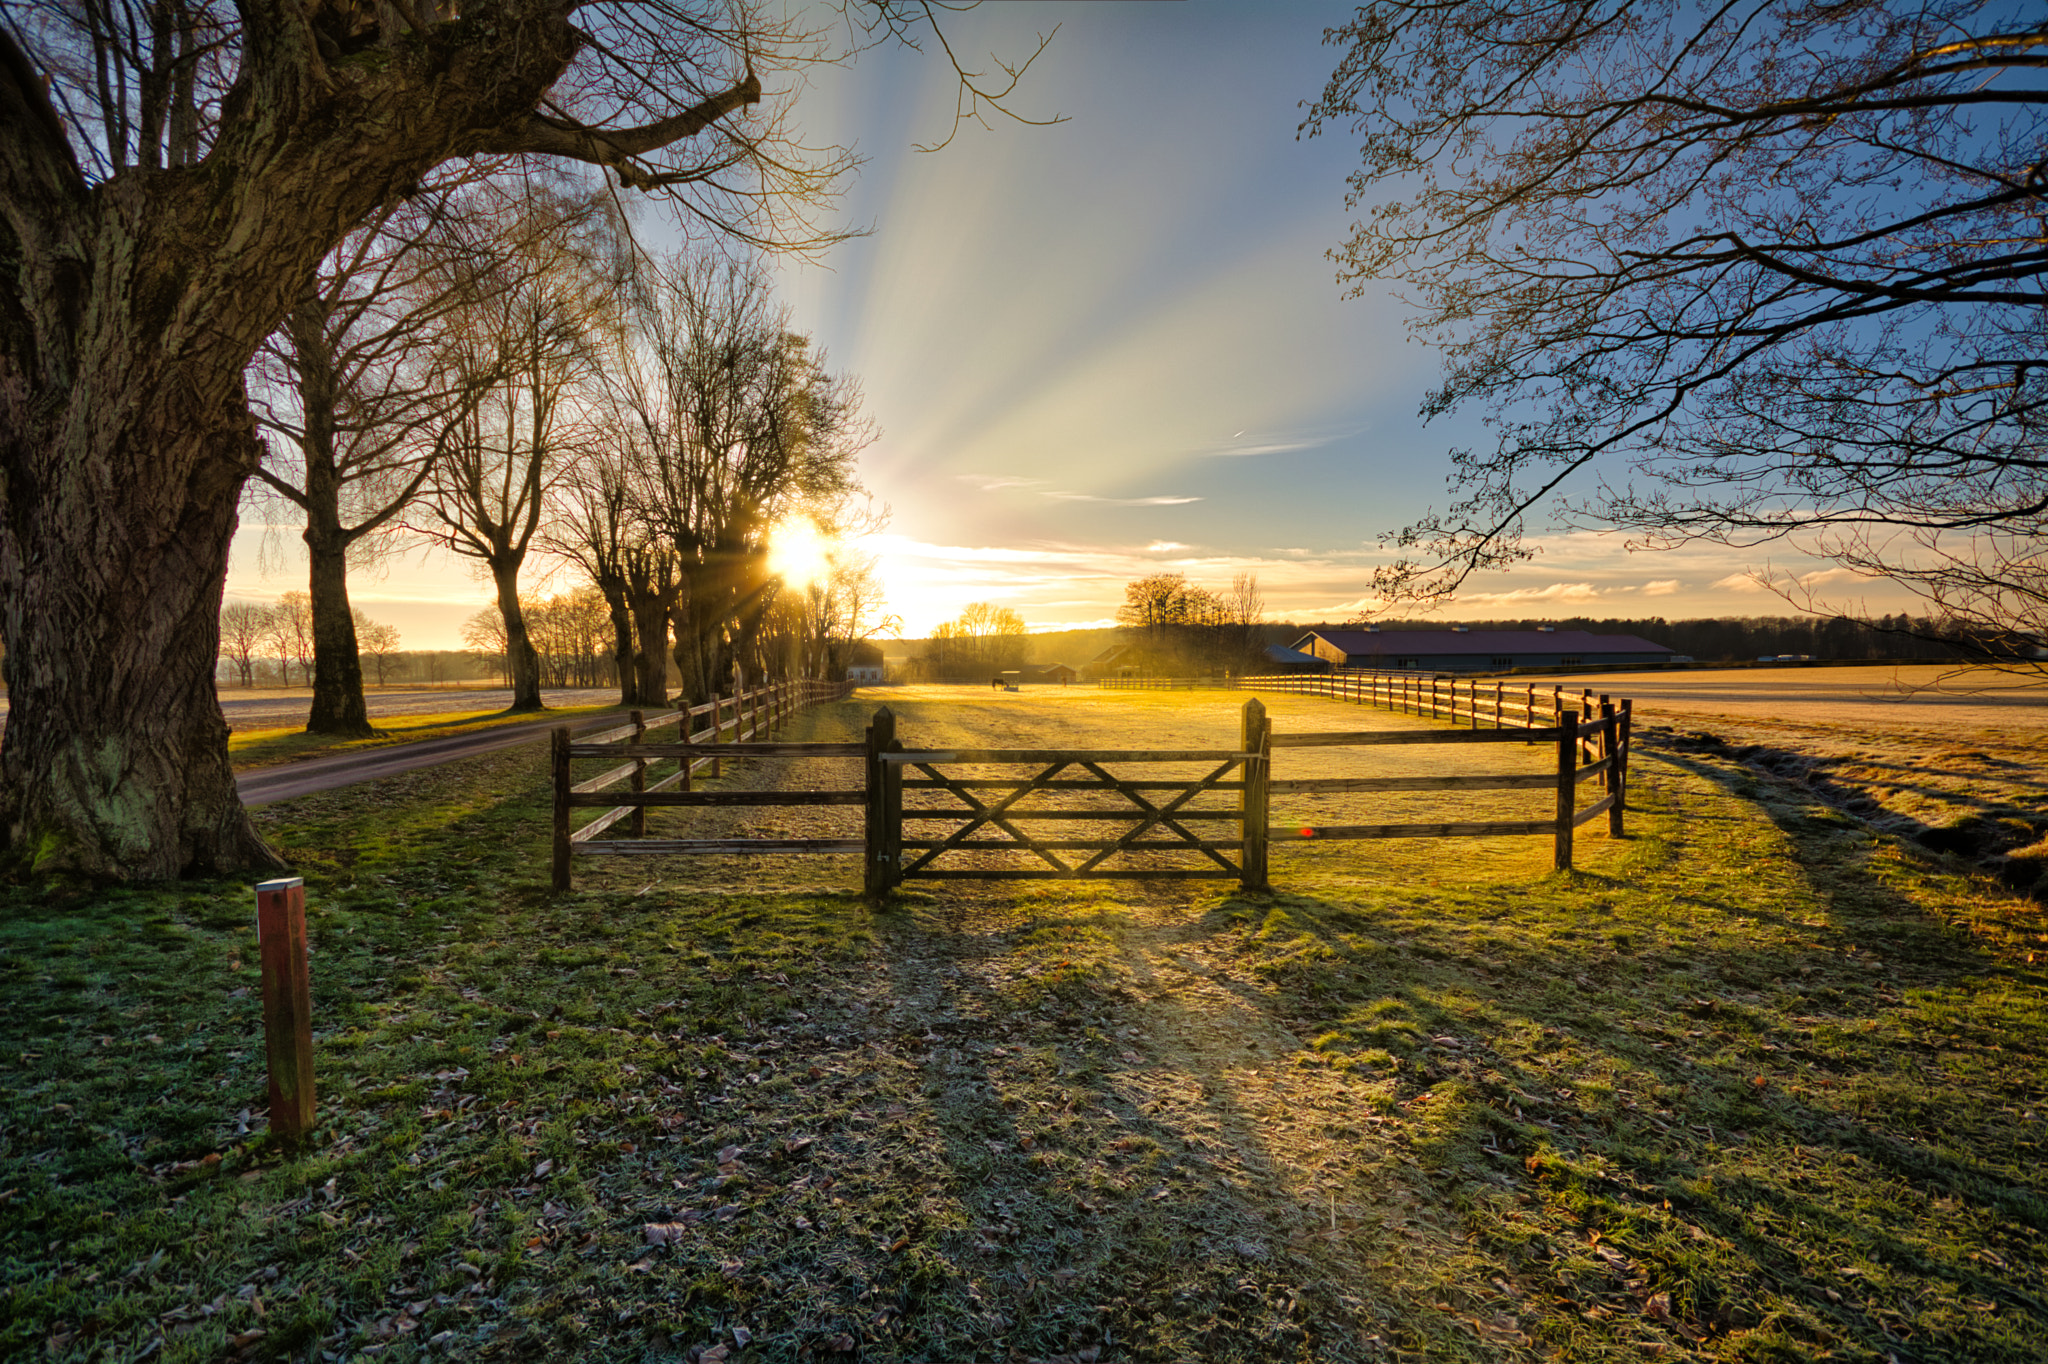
x,y
1116,346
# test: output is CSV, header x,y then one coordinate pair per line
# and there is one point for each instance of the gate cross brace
x,y
990,814
1155,814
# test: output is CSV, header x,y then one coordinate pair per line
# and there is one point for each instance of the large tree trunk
x,y
338,705
650,652
522,661
622,650
115,759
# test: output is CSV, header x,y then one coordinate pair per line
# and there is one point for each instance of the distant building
x,y
1461,650
865,663
1281,659
1054,674
1105,664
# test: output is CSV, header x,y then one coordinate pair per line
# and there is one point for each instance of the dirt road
x,y
287,707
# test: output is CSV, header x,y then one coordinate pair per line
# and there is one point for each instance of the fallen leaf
x,y
741,1336
545,1168
641,1265
663,1233
715,1355
842,1343
1658,1308
728,1155
796,1146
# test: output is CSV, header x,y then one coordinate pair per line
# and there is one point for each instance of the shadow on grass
x,y
1793,1110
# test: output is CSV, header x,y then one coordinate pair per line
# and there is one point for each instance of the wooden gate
x,y
956,813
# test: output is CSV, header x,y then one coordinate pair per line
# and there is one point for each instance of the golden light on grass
x,y
799,553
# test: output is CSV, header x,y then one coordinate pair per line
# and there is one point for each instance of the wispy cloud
x,y
1277,447
1662,587
990,483
1121,501
1549,593
1165,546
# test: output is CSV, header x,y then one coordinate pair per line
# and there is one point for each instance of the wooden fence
x,y
1158,813
1477,702
747,716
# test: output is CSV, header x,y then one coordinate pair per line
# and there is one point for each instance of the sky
x,y
1115,346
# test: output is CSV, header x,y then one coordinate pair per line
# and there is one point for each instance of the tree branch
x,y
614,147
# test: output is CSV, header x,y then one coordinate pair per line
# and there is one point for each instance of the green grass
x,y
1753,1084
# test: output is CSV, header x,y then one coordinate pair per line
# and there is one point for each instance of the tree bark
x,y
622,649
115,758
338,705
522,660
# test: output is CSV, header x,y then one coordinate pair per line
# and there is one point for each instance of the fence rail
x,y
747,716
1156,811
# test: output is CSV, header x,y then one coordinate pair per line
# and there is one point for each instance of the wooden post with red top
x,y
287,1006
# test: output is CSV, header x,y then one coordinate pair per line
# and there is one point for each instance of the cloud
x,y
990,483
1737,582
1278,447
1165,546
1662,587
1122,501
1552,592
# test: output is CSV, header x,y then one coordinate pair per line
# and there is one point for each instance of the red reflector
x,y
1308,833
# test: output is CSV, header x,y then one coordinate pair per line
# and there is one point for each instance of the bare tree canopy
x,y
171,174
1753,273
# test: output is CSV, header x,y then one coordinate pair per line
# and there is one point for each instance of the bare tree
x,y
484,633
171,174
243,627
740,422
360,390
523,343
290,625
378,642
1756,272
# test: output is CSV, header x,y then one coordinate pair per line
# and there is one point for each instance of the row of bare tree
x,y
497,368
252,633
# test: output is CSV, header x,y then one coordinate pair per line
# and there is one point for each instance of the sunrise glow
x,y
799,553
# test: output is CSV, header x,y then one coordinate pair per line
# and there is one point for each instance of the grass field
x,y
1755,1083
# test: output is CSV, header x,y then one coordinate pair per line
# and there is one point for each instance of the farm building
x,y
1281,659
1461,650
1105,664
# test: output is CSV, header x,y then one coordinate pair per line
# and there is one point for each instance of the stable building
x,y
1458,649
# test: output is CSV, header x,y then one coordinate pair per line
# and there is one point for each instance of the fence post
x,y
1617,762
717,730
558,753
287,1006
881,733
1252,803
1567,785
636,824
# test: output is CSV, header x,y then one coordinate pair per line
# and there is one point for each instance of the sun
x,y
799,553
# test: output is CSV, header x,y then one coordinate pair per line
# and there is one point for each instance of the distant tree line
x,y
1177,628
982,641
